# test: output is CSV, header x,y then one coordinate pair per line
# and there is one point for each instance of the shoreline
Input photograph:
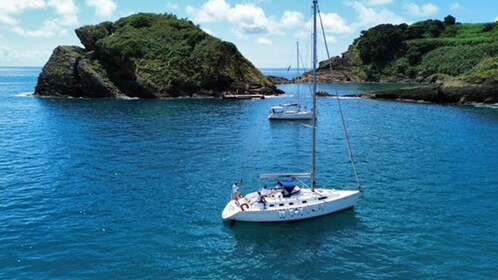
x,y
450,92
442,94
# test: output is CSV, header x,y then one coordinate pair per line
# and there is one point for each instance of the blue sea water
x,y
127,189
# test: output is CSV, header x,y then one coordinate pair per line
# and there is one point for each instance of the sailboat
x,y
291,111
290,199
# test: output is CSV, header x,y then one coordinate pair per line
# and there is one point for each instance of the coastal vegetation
x,y
148,56
393,52
460,59
160,55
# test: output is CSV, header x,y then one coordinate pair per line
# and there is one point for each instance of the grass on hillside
x,y
458,50
172,55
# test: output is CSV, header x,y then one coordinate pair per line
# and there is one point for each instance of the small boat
x,y
291,199
243,96
292,111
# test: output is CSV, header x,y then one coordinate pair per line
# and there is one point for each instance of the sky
x,y
264,31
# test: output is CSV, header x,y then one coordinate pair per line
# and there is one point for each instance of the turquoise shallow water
x,y
126,189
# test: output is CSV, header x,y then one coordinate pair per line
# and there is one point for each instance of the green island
x,y
159,55
149,56
439,61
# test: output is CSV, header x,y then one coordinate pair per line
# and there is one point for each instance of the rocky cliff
x,y
148,56
462,94
477,86
460,60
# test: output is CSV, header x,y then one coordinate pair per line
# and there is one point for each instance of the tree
x,y
381,44
428,28
487,27
449,20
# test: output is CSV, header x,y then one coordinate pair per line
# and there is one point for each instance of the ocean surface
x,y
134,189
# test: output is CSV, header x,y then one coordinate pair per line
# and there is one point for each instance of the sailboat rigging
x,y
291,199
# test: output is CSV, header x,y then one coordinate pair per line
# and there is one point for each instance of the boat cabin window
x,y
281,204
272,205
304,201
291,203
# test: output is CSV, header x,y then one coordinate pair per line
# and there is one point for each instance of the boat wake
x,y
25,94
490,106
343,97
128,98
278,96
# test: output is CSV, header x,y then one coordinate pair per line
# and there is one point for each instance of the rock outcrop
x,y
343,69
148,56
450,93
450,63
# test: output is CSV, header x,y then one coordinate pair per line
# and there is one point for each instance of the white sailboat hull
x,y
294,115
301,206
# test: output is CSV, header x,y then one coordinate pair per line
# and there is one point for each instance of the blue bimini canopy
x,y
288,187
287,184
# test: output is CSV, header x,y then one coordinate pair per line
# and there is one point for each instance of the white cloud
x,y
208,31
378,2
10,9
211,11
7,54
423,10
171,6
292,19
67,11
251,19
50,28
7,20
13,57
368,17
496,19
332,40
18,6
245,18
67,17
103,8
455,6
334,23
263,41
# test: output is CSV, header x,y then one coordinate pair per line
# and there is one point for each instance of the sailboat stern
x,y
340,200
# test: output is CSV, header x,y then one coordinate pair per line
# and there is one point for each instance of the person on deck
x,y
262,199
265,191
235,191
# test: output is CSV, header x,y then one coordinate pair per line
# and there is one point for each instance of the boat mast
x,y
313,138
297,72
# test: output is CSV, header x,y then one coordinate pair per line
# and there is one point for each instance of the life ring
x,y
244,206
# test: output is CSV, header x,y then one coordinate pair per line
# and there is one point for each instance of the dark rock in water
x,y
279,80
336,69
94,79
149,56
461,93
427,94
60,75
471,93
323,94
